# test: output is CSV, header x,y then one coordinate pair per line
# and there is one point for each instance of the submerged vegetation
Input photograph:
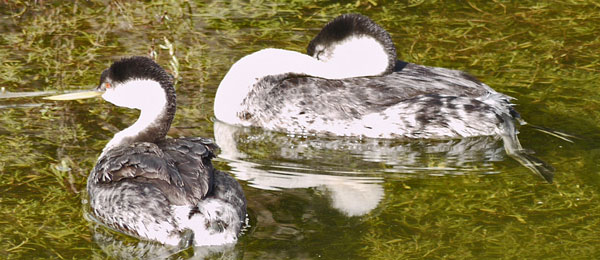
x,y
544,53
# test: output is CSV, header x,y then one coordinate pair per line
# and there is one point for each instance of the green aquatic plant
x,y
544,53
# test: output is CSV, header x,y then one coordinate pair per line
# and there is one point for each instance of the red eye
x,y
107,85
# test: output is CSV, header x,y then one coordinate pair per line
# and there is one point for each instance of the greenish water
x,y
311,197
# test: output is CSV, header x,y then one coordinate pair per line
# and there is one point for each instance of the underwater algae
x,y
544,53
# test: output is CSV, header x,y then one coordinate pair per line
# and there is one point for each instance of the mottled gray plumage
x,y
180,168
428,97
141,181
158,188
409,101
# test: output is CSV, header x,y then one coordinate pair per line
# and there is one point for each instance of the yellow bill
x,y
76,95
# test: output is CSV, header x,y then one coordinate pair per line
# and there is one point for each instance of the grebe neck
x,y
157,105
247,71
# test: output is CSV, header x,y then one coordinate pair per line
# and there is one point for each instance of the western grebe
x,y
157,188
351,84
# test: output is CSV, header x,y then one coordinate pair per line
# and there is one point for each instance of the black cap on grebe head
x,y
344,27
135,67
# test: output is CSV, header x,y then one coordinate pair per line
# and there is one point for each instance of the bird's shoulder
x,y
182,162
140,159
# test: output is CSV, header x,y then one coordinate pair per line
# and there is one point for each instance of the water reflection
x,y
351,171
115,247
118,246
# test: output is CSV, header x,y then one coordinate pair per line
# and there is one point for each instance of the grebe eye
x,y
319,54
107,85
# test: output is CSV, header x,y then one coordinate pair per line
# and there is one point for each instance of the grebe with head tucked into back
x,y
350,84
158,188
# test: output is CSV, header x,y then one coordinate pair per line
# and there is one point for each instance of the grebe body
x,y
153,187
351,84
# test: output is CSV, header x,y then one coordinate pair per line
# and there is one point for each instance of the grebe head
x,y
354,40
137,82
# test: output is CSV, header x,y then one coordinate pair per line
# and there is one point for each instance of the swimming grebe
x,y
331,93
157,188
352,85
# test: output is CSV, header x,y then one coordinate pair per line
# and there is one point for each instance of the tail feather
x,y
557,134
515,150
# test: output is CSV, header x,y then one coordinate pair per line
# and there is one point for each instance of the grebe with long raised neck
x,y
157,188
350,84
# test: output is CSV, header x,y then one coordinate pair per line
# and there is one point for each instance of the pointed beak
x,y
77,95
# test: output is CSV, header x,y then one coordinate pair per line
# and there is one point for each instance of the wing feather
x,y
180,168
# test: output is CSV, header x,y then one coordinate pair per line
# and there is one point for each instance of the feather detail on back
x,y
416,102
181,163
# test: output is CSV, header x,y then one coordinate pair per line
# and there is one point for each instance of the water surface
x,y
309,197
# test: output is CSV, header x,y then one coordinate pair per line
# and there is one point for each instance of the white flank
x,y
211,210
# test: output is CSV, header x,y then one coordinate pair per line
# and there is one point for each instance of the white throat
x,y
247,71
147,96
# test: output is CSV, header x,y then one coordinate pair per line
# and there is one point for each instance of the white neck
x,y
147,96
247,71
